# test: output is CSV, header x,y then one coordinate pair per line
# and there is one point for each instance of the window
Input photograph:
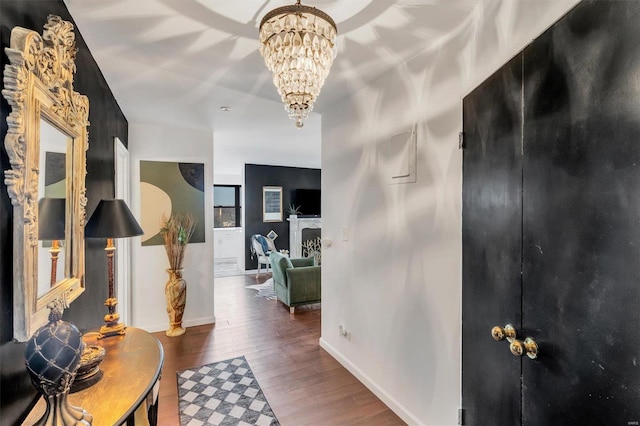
x,y
226,206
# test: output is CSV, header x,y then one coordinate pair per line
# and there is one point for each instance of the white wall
x,y
228,251
300,148
395,283
164,143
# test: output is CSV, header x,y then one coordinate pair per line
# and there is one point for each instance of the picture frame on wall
x,y
167,188
272,204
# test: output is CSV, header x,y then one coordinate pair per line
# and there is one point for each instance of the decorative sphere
x,y
52,356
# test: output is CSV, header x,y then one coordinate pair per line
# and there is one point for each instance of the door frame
x,y
123,245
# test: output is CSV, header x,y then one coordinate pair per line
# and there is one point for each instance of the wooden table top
x,y
131,367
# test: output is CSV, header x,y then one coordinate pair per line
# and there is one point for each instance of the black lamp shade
x,y
51,218
112,219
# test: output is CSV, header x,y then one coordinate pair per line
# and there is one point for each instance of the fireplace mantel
x,y
296,225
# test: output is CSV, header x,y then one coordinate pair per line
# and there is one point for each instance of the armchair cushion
x,y
303,261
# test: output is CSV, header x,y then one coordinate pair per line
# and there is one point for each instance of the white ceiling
x,y
179,61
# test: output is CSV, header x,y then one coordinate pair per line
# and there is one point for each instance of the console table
x,y
127,392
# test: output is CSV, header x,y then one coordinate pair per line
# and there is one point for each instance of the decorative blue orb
x,y
52,356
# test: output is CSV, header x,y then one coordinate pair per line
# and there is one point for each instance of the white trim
x,y
185,324
123,245
391,402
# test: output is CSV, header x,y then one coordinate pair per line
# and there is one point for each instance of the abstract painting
x,y
167,188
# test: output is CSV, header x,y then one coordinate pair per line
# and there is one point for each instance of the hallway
x,y
303,384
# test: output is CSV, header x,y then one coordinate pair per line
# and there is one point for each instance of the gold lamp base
x,y
111,219
111,330
112,326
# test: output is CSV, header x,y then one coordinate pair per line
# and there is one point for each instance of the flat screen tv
x,y
309,201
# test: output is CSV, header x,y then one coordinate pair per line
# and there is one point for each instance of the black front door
x,y
551,227
492,247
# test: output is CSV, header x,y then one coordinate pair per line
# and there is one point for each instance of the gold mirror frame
x,y
38,83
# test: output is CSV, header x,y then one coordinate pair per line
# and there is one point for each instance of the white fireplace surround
x,y
296,225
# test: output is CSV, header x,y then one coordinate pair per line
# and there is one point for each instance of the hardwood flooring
x,y
303,384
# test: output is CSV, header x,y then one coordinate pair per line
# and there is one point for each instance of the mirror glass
x,y
46,142
52,254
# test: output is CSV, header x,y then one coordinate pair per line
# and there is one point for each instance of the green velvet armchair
x,y
296,281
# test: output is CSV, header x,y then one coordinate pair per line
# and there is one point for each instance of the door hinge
x,y
461,140
460,416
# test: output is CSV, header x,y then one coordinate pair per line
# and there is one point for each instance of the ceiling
x,y
179,61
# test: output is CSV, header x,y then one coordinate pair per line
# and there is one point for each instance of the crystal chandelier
x,y
298,44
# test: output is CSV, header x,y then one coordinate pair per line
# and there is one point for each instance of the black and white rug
x,y
222,393
265,289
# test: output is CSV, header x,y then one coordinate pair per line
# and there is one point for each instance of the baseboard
x,y
218,273
255,271
394,405
242,272
187,324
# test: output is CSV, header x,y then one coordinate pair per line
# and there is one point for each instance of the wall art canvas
x,y
167,188
272,204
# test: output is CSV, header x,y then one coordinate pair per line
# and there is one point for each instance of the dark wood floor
x,y
303,384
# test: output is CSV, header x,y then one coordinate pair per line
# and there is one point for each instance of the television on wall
x,y
308,200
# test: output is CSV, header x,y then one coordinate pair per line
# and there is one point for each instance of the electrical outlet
x,y
344,332
345,234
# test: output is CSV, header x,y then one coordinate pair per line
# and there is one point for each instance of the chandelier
x,y
298,44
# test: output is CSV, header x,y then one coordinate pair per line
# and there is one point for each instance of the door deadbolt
x,y
500,333
517,347
529,347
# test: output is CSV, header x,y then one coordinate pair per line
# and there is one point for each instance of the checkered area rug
x,y
223,393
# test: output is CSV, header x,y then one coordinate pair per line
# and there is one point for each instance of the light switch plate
x,y
398,157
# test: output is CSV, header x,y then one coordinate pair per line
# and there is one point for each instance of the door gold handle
x,y
529,346
500,333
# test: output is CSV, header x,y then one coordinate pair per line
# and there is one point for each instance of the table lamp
x,y
51,226
112,219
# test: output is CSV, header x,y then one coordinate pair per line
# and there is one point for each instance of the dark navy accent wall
x,y
107,121
289,178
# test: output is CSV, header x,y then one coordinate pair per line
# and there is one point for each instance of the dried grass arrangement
x,y
176,232
313,248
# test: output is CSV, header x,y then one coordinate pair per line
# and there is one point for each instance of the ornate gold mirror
x,y
46,143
